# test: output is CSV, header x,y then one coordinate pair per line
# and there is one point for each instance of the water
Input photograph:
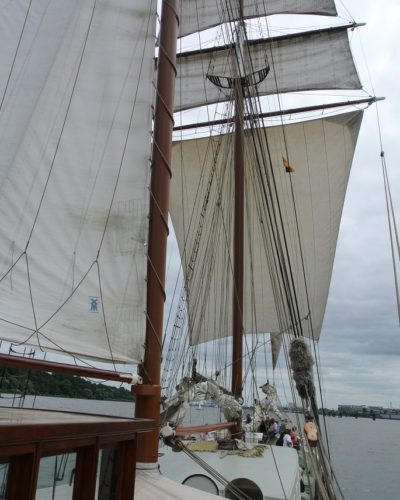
x,y
366,457
365,453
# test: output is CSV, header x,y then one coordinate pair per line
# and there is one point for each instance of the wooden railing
x,y
27,436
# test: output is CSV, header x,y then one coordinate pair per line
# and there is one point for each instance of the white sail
x,y
308,61
197,16
321,153
276,341
74,173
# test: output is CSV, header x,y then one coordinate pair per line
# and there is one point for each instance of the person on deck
x,y
284,439
295,438
279,441
263,428
273,429
287,440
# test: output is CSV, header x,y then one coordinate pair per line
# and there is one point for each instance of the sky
x,y
360,339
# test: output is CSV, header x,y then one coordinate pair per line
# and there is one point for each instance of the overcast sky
x,y
360,340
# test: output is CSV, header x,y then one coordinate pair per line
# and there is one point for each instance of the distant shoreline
x,y
25,382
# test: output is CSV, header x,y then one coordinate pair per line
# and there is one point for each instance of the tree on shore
x,y
17,381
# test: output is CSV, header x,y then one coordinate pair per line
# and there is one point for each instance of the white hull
x,y
276,473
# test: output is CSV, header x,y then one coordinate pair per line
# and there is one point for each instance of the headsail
x,y
321,151
72,262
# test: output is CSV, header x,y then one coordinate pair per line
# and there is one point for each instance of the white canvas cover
x,y
197,15
155,486
275,473
321,153
74,170
312,61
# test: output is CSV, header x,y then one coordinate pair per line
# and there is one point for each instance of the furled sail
x,y
75,120
276,341
313,60
198,15
289,244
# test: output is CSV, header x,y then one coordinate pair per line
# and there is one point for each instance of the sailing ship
x,y
102,135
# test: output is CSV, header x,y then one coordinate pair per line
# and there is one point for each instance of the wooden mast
x,y
237,348
238,224
148,394
238,83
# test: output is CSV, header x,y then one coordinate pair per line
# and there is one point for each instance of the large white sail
x,y
321,153
197,15
74,173
307,61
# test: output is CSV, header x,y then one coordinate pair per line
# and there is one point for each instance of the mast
x,y
238,83
148,395
237,324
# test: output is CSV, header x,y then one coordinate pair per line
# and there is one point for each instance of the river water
x,y
365,453
366,457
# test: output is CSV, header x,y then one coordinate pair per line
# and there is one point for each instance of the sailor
x,y
273,429
295,438
287,440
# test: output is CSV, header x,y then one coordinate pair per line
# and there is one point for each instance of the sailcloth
x,y
74,173
277,297
311,60
198,15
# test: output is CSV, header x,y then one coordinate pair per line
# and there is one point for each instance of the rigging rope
x,y
392,230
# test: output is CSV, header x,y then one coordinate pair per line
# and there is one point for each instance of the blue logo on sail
x,y
94,303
